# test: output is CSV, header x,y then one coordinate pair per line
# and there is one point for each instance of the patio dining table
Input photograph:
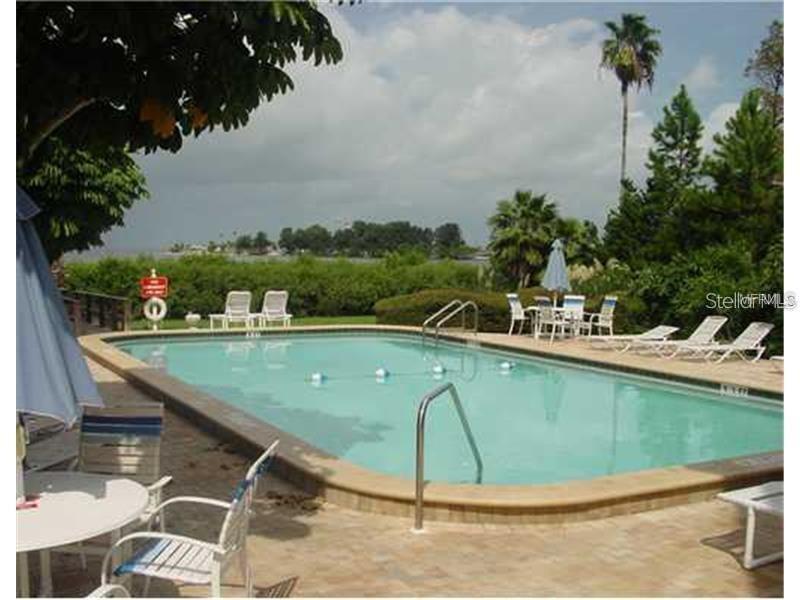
x,y
559,310
72,507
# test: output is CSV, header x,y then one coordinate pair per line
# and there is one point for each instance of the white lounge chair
x,y
703,335
237,310
518,314
189,560
767,499
748,341
274,309
625,341
602,320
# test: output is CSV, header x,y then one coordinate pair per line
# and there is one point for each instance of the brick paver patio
x,y
302,547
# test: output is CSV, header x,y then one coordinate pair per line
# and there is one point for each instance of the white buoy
x,y
381,373
506,366
317,378
438,369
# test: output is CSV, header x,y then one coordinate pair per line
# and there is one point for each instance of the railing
x,y
100,310
455,307
420,472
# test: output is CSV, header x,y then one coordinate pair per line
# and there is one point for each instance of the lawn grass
x,y
181,324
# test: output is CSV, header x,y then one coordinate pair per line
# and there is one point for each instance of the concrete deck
x,y
302,546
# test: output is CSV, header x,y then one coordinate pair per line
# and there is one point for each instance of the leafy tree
x,y
261,242
147,74
581,241
766,67
522,230
632,53
82,193
747,169
315,239
631,226
447,240
286,240
243,243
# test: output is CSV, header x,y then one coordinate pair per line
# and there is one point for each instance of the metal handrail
x,y
420,474
436,314
460,309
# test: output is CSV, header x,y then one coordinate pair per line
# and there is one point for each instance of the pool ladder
x,y
422,412
450,310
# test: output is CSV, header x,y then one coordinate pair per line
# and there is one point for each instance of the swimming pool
x,y
535,421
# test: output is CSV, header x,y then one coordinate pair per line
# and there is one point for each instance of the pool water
x,y
534,421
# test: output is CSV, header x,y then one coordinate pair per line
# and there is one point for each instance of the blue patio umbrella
x,y
555,277
52,376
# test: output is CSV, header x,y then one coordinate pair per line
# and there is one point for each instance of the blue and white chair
x,y
186,559
572,312
601,320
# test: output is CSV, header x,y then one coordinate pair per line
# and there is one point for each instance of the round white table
x,y
72,507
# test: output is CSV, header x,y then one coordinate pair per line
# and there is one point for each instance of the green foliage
x,y
316,287
413,309
147,74
522,231
82,193
766,67
632,51
447,240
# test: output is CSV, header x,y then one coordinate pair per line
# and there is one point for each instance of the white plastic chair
x,y
572,312
748,341
603,319
237,310
766,498
517,313
274,309
190,560
703,335
549,317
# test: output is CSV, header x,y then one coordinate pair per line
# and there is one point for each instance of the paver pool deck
x,y
302,546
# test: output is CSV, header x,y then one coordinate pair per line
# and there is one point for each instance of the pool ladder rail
x,y
422,412
450,310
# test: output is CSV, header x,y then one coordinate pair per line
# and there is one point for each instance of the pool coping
x,y
350,485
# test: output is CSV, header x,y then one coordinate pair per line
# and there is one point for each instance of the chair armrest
x,y
158,485
109,590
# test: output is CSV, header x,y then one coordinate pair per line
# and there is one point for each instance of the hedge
x,y
316,287
413,309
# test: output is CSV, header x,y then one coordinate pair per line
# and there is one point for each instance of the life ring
x,y
155,309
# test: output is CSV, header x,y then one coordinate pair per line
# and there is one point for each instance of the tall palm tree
x,y
522,230
631,52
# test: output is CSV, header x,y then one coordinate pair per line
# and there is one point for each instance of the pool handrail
x,y
420,467
438,313
461,308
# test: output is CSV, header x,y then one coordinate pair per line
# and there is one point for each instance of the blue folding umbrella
x,y
52,376
555,277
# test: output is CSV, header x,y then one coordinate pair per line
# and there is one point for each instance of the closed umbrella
x,y
52,376
555,277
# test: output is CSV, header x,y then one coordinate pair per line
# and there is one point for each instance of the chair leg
x,y
511,327
216,580
146,587
246,573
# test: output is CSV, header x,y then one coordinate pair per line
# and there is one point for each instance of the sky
x,y
437,112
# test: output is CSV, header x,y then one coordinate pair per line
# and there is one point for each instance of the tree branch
x,y
50,126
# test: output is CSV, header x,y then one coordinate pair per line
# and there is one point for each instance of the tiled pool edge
x,y
346,484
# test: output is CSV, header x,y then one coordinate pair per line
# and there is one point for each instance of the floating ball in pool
x,y
438,369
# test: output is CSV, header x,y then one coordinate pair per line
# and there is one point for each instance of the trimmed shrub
x,y
316,287
413,309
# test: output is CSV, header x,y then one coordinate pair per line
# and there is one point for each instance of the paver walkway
x,y
302,547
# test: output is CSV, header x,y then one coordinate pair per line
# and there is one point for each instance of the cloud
x,y
715,123
703,77
432,116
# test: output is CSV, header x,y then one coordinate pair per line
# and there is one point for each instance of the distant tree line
x,y
372,240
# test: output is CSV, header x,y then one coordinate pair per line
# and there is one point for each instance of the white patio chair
x,y
767,499
237,310
549,317
625,341
122,440
748,341
274,309
518,314
601,320
572,311
703,335
109,590
185,559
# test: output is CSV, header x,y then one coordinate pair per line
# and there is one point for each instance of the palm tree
x,y
522,230
631,52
